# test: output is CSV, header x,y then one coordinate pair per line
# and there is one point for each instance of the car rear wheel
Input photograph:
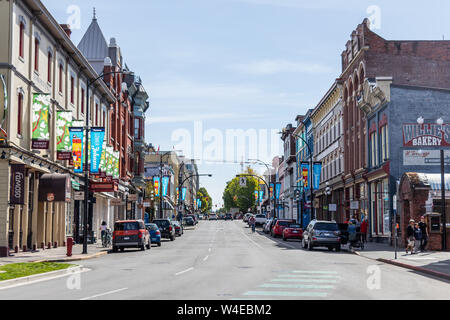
x,y
159,244
330,248
114,249
172,238
122,249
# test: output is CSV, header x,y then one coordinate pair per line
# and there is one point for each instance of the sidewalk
x,y
56,255
430,262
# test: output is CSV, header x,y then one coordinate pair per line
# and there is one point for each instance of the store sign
x,y
17,189
78,196
132,197
424,157
39,113
354,205
333,207
116,202
426,135
103,187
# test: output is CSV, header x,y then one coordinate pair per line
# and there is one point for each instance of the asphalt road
x,y
224,260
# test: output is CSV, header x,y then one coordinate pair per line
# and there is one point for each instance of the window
x,y
136,129
373,149
49,67
82,100
96,114
21,39
384,143
60,78
104,118
36,55
19,113
72,93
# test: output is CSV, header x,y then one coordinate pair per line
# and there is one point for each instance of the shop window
x,y
384,143
19,113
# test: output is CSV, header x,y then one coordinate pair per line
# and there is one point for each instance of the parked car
x,y
293,231
194,217
188,221
178,228
130,234
278,227
166,228
228,216
322,234
260,219
267,226
155,234
200,217
212,217
246,217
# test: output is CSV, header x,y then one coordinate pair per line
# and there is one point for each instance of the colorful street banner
x,y
261,196
156,184
304,170
183,193
165,185
178,195
317,175
256,195
63,142
102,167
96,145
76,137
40,133
271,191
277,190
109,161
116,174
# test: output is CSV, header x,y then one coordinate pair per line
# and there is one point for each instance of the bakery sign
x,y
426,135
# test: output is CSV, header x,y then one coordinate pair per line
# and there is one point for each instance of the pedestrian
x,y
351,233
417,238
103,228
424,229
410,237
364,227
252,222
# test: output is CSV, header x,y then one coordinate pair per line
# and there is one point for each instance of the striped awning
x,y
434,181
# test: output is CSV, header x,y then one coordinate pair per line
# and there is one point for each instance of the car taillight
x,y
140,234
158,232
170,228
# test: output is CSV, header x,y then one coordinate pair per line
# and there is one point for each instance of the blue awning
x,y
434,180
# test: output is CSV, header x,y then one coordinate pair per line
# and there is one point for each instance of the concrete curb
x,y
12,282
70,259
415,268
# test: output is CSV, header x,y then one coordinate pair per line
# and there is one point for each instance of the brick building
x,y
368,57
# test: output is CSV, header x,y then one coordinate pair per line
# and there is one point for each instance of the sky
x,y
211,66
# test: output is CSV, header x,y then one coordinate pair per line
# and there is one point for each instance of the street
x,y
223,260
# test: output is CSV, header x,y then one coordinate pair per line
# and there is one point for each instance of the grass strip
x,y
19,270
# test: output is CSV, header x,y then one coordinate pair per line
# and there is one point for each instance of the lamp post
x,y
180,188
440,122
107,63
270,181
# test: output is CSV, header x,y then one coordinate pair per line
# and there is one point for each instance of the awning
x,y
55,187
434,180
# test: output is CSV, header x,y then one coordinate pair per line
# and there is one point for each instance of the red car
x,y
277,230
294,231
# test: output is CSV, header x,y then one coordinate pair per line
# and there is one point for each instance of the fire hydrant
x,y
69,246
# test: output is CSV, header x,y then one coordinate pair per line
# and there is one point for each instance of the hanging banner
x,y
156,184
76,138
17,189
102,167
256,195
116,174
63,142
278,190
271,191
183,193
109,161
261,196
317,175
40,134
178,195
97,138
305,174
165,185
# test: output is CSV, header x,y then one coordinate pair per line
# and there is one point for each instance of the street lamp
x,y
440,122
270,181
107,63
180,187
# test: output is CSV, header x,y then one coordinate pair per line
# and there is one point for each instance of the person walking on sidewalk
x,y
252,222
364,227
424,229
417,238
410,237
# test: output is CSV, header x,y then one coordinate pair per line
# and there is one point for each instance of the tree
x,y
206,200
243,198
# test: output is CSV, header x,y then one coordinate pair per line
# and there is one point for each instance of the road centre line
x,y
187,270
206,258
251,240
104,294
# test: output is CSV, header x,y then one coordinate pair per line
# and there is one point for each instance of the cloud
x,y
269,67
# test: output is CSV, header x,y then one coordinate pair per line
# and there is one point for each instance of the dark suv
x,y
130,234
166,228
322,234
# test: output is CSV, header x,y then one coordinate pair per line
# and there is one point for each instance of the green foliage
x,y
18,270
243,198
206,200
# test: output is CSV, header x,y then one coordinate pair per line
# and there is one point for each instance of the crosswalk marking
x,y
305,280
309,276
296,286
286,294
315,272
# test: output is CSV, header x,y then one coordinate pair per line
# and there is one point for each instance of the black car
x,y
178,228
228,216
188,221
166,228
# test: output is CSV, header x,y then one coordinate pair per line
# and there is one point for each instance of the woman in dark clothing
x,y
410,237
417,237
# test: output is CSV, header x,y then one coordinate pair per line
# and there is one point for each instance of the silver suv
x,y
322,234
